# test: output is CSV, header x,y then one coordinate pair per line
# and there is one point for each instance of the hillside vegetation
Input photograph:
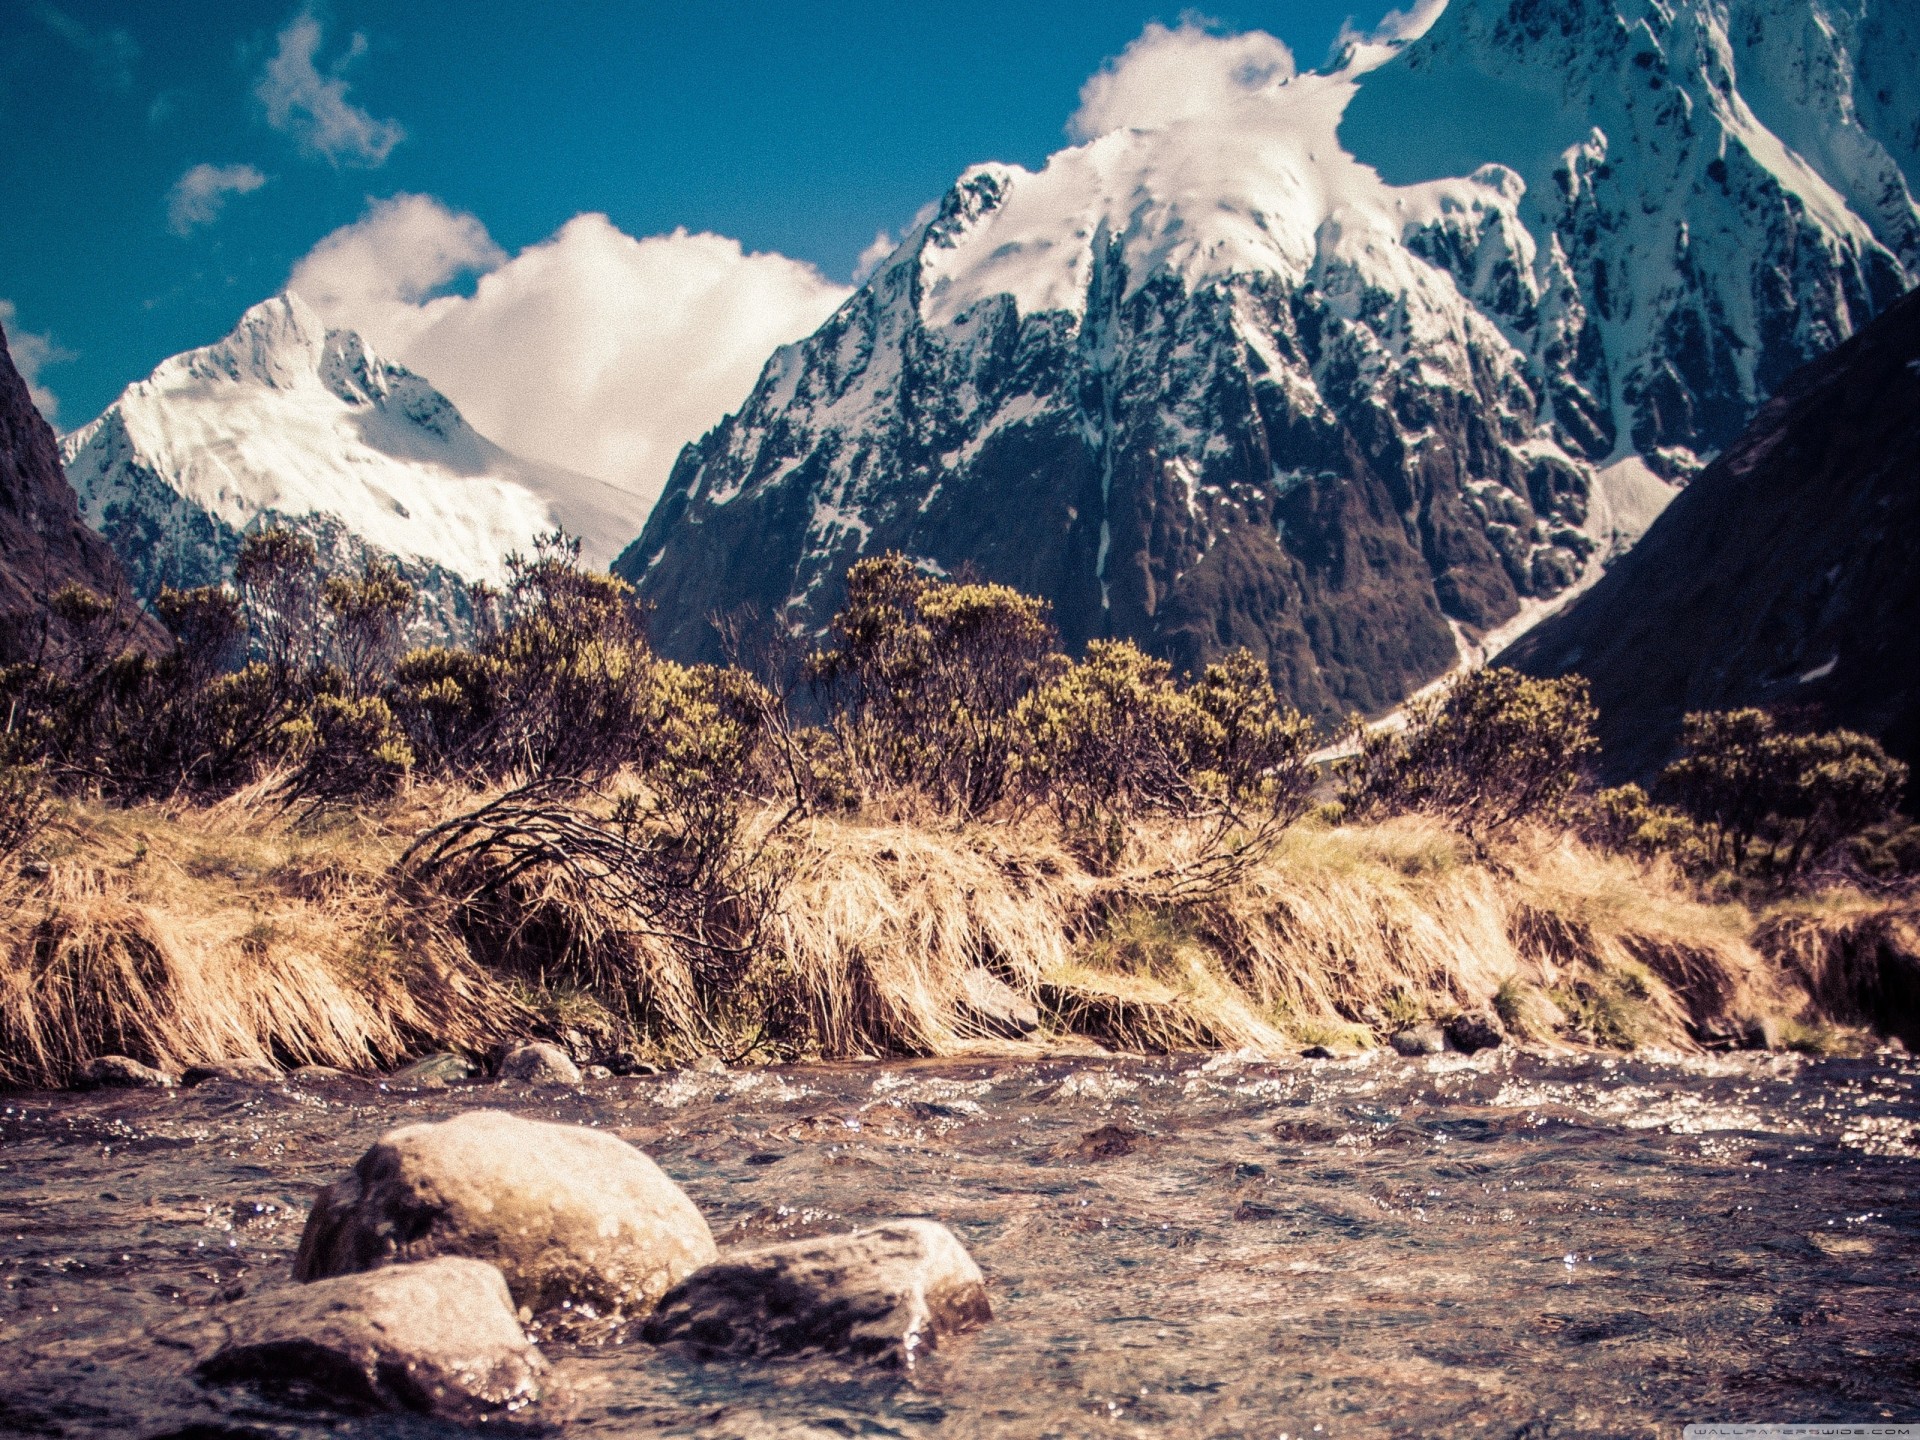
x,y
284,841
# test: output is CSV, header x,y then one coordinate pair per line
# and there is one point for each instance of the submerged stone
x,y
437,1338
433,1072
879,1295
539,1063
570,1215
1475,1030
1420,1040
105,1072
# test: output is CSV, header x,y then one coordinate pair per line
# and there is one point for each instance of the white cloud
x,y
31,353
870,258
591,349
1396,28
198,197
112,52
1168,75
313,108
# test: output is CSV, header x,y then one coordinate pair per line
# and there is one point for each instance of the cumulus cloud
x,y
1170,74
870,258
592,349
313,108
110,53
198,197
1396,28
32,353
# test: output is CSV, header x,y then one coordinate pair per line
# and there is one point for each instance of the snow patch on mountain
x,y
287,421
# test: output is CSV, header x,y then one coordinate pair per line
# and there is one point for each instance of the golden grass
x,y
184,937
232,932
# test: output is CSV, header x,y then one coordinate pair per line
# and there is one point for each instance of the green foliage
x,y
368,612
1773,803
446,701
924,677
1627,820
278,580
344,747
1497,748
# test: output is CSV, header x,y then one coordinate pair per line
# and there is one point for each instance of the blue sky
x,y
794,129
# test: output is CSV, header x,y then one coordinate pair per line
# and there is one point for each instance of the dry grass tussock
x,y
229,933
237,933
1857,956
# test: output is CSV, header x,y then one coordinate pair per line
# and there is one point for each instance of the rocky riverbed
x,y
1499,1244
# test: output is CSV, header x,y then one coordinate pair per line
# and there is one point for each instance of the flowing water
x,y
1502,1245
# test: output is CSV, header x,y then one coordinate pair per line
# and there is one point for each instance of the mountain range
x,y
1786,576
1357,369
288,422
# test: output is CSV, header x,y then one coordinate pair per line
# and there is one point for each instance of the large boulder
x,y
570,1215
878,1295
437,1338
994,1007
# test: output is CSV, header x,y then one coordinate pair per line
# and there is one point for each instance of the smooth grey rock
x,y
437,1338
433,1072
995,1007
1761,1032
119,1072
1420,1040
539,1063
1475,1030
878,1295
569,1214
245,1072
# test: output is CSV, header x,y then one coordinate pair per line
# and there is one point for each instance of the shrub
x,y
446,701
1494,749
1626,820
924,677
23,807
367,612
345,747
1106,739
1774,803
278,580
1256,751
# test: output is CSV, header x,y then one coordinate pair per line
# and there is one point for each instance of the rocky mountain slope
x,y
1787,575
44,544
1346,369
286,421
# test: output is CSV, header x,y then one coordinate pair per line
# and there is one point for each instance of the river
x,y
1503,1245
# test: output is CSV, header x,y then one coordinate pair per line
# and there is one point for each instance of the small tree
x,y
367,612
279,584
1774,803
1494,749
924,677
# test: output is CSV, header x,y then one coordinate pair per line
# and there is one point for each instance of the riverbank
x,y
245,933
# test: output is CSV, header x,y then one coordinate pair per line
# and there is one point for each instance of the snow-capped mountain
x,y
288,422
1342,367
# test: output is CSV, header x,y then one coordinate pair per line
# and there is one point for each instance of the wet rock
x,y
1109,1142
105,1072
323,1073
244,1072
1420,1040
438,1338
1318,1052
539,1064
626,1062
1475,1030
709,1065
1761,1032
569,1214
433,1072
994,1007
879,1295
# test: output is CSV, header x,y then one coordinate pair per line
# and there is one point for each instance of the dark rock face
x,y
1787,575
44,544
